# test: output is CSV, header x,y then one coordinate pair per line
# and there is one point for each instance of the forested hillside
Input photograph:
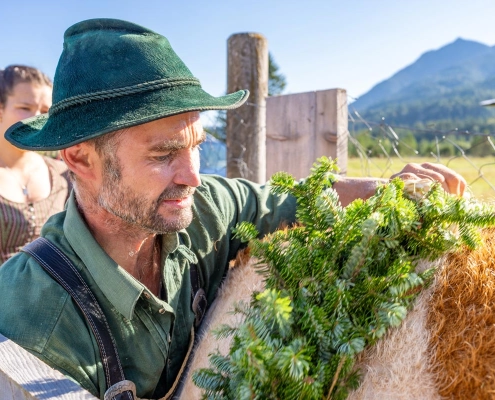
x,y
441,90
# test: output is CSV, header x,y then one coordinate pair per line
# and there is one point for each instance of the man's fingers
x,y
406,176
421,170
451,181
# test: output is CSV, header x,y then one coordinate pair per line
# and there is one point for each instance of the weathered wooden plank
x,y
246,126
332,126
25,377
304,126
290,132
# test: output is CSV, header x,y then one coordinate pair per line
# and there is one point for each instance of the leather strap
x,y
199,302
66,274
176,389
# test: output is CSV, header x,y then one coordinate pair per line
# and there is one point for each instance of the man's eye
x,y
163,158
167,157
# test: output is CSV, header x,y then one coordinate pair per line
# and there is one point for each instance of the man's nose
x,y
188,173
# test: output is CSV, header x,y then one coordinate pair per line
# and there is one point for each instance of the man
x,y
125,116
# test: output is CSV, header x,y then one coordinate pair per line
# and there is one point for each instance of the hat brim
x,y
87,121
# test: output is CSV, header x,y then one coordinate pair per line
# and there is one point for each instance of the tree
x,y
276,85
276,80
481,147
218,129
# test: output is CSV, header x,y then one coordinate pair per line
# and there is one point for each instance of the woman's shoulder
x,y
60,174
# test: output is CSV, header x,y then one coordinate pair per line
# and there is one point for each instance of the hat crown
x,y
112,75
102,55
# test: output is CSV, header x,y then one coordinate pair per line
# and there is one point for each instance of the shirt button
x,y
161,311
147,295
31,209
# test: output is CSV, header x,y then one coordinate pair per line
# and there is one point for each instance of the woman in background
x,y
32,186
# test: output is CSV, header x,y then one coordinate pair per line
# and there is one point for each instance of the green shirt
x,y
152,335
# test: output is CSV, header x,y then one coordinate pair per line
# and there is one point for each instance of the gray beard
x,y
137,211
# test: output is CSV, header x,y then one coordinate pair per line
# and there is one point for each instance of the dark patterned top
x,y
21,223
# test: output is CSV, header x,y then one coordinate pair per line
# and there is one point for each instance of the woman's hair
x,y
14,74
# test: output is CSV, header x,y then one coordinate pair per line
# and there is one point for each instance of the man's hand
x,y
451,181
350,189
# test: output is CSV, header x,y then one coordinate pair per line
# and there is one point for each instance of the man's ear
x,y
81,160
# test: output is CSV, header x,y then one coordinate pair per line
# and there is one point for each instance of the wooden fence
x,y
25,377
303,127
279,133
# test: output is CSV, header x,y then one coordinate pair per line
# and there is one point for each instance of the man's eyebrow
x,y
172,145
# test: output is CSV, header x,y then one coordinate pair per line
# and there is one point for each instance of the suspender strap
x,y
66,274
198,294
199,302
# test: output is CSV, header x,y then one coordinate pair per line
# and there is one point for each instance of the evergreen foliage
x,y
276,80
380,142
441,91
276,85
335,283
444,112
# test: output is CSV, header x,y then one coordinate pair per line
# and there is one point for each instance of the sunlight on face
x,y
133,208
149,181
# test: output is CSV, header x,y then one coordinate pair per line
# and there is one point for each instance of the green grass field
x,y
479,172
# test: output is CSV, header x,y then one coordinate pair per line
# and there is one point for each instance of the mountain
x,y
443,87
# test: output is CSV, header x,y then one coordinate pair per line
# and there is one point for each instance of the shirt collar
x,y
118,286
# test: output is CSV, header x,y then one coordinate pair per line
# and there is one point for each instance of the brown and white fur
x,y
241,281
445,348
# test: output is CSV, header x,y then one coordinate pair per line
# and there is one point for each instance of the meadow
x,y
479,172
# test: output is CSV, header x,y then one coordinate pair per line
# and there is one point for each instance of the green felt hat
x,y
114,74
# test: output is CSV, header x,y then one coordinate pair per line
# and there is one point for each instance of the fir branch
x,y
336,377
335,284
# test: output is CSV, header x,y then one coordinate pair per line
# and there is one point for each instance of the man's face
x,y
149,182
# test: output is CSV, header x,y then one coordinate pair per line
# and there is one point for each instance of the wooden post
x,y
246,126
25,377
303,127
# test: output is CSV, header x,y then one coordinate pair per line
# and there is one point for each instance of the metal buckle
x,y
119,388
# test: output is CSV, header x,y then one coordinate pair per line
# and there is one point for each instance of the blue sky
x,y
318,44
